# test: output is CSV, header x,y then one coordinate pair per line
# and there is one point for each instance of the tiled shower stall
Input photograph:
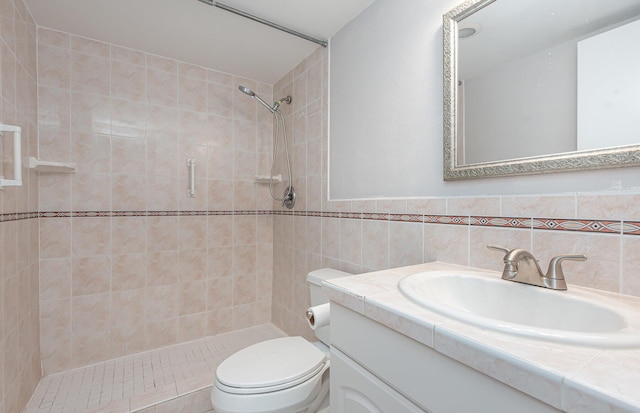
x,y
128,261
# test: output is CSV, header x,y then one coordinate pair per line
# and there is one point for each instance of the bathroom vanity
x,y
391,355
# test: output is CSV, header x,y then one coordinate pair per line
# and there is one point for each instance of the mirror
x,y
539,86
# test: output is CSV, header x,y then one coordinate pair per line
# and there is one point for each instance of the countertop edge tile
x,y
407,323
580,398
345,298
526,377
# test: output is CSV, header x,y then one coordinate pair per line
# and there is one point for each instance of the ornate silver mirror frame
x,y
568,161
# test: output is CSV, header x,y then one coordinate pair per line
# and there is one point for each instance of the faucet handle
x,y
555,269
555,274
503,249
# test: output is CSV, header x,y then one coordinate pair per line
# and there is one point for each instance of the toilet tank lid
x,y
317,276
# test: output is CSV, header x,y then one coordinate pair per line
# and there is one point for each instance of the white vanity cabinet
x,y
355,390
376,369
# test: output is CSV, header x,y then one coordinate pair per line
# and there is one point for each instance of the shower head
x,y
246,90
251,93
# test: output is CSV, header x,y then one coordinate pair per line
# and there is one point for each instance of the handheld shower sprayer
x,y
289,198
271,109
256,97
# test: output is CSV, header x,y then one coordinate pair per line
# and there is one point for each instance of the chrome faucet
x,y
521,266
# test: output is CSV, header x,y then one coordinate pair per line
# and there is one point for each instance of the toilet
x,y
283,375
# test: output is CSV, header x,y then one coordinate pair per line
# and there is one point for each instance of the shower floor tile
x,y
139,381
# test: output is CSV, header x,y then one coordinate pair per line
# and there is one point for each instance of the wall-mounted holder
x,y
41,166
265,179
17,156
289,197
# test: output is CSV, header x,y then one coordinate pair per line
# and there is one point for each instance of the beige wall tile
x,y
91,275
128,271
192,327
57,71
90,314
55,279
446,243
128,81
128,308
539,206
162,233
192,297
405,244
351,240
219,321
473,206
91,236
55,237
602,268
609,206
162,127
375,244
128,235
630,266
162,268
219,262
93,192
127,340
90,73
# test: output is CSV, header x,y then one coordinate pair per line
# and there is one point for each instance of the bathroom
x,y
97,264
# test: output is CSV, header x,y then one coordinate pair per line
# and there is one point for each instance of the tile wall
x,y
295,248
368,235
19,321
128,261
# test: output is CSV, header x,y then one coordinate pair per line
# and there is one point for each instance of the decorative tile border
x,y
631,228
375,216
610,227
504,222
406,217
18,216
549,224
445,219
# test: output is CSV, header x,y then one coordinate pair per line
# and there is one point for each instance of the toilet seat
x,y
270,366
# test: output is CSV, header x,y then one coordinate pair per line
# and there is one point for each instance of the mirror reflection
x,y
536,78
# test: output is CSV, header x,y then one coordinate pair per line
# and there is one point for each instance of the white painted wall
x,y
608,88
379,72
386,113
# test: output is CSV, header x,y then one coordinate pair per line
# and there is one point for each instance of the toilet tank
x,y
318,296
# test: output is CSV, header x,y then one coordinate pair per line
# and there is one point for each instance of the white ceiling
x,y
194,32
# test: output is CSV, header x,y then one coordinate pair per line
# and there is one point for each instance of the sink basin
x,y
576,316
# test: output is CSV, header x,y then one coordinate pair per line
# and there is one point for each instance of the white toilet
x,y
283,375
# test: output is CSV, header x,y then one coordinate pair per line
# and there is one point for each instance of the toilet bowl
x,y
282,375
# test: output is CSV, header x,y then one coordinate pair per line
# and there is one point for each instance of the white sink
x,y
576,316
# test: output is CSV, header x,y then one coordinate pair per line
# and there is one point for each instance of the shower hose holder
x,y
289,197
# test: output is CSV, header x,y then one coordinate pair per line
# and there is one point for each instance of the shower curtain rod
x,y
264,21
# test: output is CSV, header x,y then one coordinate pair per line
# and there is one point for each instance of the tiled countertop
x,y
569,378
